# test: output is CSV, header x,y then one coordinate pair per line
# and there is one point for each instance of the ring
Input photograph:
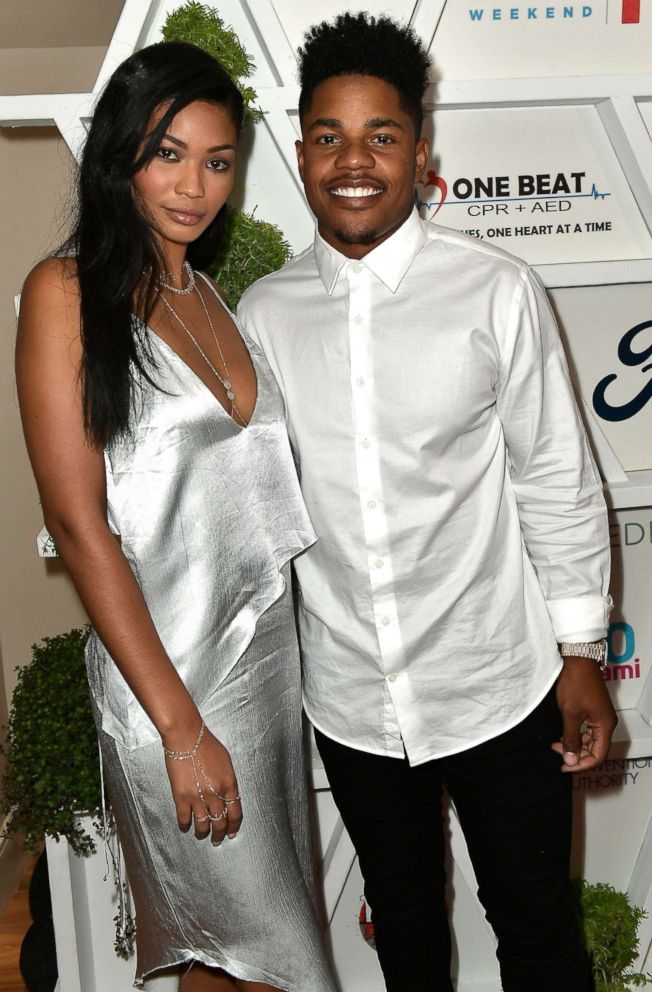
x,y
217,817
229,802
201,819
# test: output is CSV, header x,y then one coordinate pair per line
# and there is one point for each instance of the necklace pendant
x,y
227,383
230,394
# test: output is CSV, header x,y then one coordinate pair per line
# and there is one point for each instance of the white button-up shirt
x,y
461,522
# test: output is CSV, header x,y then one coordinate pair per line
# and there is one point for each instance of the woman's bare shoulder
x,y
53,277
50,295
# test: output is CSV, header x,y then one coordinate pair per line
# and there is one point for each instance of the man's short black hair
x,y
359,44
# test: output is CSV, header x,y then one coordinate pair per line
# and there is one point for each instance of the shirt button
x,y
371,504
359,381
358,319
379,563
366,443
356,267
385,621
392,678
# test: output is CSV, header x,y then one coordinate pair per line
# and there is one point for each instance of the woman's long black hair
x,y
112,241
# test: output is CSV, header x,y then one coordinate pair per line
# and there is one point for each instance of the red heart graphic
x,y
432,179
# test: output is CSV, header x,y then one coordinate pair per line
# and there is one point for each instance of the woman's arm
x,y
71,480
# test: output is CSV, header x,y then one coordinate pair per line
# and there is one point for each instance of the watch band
x,y
594,650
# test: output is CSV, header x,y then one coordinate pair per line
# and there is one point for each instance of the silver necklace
x,y
187,268
226,379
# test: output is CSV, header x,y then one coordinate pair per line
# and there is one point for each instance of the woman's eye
x,y
167,154
218,165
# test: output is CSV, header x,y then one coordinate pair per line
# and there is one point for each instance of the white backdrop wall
x,y
540,117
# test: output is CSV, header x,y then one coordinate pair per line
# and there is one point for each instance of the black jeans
x,y
514,806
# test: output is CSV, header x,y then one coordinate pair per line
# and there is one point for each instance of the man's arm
x,y
562,512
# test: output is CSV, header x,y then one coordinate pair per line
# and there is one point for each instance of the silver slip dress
x,y
210,515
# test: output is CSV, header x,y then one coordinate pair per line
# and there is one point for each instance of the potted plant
x,y
51,749
610,927
52,783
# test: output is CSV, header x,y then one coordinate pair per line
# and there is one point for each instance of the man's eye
x,y
327,139
383,139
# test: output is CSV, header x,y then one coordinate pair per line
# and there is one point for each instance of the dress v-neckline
x,y
175,354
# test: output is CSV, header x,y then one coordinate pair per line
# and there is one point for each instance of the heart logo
x,y
433,181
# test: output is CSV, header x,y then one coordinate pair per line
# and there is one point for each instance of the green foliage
x,y
251,248
610,926
51,746
202,26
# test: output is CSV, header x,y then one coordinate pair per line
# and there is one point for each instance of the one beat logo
x,y
524,205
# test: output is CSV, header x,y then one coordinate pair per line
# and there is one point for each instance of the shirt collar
x,y
389,261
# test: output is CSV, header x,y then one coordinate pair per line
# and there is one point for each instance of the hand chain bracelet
x,y
198,769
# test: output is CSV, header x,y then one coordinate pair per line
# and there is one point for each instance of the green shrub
x,y
251,248
202,26
610,927
51,746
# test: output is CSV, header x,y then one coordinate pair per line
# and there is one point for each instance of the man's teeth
x,y
356,191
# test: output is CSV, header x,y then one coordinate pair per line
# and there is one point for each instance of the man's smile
x,y
357,192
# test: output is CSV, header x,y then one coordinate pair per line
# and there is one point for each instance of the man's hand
x,y
588,715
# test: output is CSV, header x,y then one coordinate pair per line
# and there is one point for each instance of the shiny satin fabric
x,y
248,906
209,515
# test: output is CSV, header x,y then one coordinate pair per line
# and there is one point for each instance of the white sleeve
x,y
558,489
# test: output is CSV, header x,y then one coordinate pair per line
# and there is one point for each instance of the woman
x,y
157,438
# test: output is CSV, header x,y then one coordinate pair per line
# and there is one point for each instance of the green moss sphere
x,y
251,248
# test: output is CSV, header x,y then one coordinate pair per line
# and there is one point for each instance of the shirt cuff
x,y
580,618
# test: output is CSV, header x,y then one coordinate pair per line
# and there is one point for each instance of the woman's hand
x,y
204,786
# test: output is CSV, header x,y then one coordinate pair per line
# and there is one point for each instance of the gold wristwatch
x,y
595,650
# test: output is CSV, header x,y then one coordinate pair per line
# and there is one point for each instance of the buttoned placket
x,y
372,504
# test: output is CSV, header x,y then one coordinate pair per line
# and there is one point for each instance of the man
x,y
462,531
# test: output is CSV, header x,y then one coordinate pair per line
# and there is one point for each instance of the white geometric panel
x,y
296,15
611,371
486,39
629,671
543,183
645,109
270,184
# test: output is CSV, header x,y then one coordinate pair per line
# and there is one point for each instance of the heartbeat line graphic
x,y
425,203
595,194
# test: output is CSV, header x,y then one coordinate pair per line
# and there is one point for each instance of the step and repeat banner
x,y
540,122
